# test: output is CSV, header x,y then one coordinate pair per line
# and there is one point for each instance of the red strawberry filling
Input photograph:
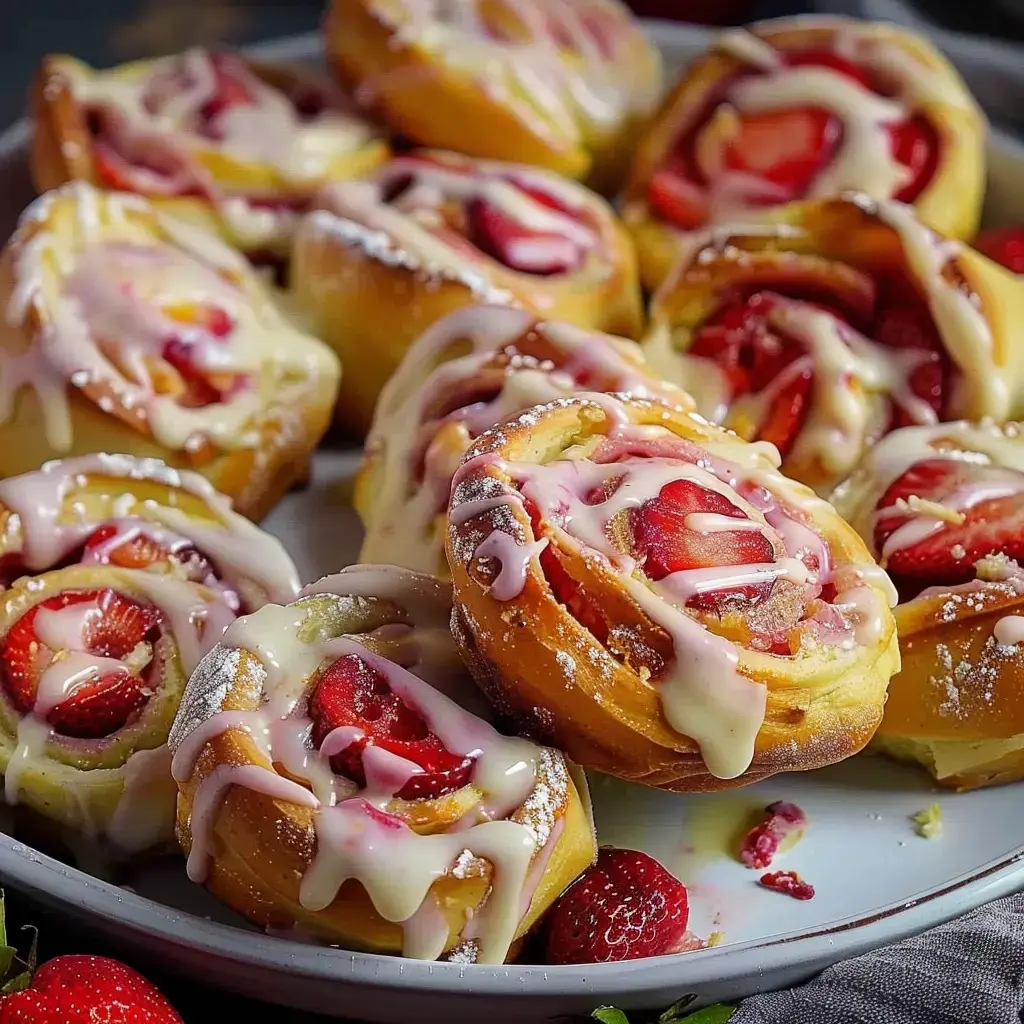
x,y
762,842
786,150
625,907
1004,245
138,550
352,693
986,516
669,543
121,629
755,354
199,386
789,883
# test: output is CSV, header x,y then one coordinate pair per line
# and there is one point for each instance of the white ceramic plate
x,y
876,880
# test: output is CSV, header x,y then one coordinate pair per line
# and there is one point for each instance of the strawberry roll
x,y
335,776
650,593
806,108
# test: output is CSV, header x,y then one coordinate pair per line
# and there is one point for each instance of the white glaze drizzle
x,y
864,160
565,97
408,231
705,694
406,524
159,108
983,444
51,523
359,835
103,273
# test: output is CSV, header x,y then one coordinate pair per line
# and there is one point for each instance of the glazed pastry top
x,y
736,564
436,405
160,323
454,217
499,803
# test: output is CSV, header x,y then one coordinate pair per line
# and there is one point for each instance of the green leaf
x,y
717,1014
675,1011
609,1015
33,950
17,983
3,921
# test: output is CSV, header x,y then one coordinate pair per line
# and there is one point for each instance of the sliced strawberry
x,y
625,907
947,556
762,842
787,148
111,169
669,545
676,199
502,237
1004,245
139,550
351,692
788,410
199,392
105,705
789,883
916,146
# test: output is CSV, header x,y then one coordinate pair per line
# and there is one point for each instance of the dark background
x,y
105,32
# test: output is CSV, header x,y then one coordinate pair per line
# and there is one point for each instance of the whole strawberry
x,y
86,989
624,907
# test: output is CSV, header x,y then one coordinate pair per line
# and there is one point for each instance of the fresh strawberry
x,y
948,555
789,883
762,842
676,199
1004,245
111,169
787,148
502,237
139,550
84,990
94,709
625,907
823,58
351,692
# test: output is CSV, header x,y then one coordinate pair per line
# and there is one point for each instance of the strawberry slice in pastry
x,y
95,701
355,696
502,237
942,516
1004,245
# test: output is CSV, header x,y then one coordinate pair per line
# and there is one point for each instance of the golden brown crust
x,y
548,672
370,294
261,847
950,203
105,410
481,107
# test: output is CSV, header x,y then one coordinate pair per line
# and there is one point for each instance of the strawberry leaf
x,y
17,983
609,1015
717,1014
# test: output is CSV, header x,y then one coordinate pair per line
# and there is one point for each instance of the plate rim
x,y
71,889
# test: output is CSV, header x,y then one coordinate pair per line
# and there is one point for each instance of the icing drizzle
x,y
360,833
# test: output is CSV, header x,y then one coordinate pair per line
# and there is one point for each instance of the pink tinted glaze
x,y
704,693
357,835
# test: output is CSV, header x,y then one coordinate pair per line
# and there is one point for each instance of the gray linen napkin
x,y
970,971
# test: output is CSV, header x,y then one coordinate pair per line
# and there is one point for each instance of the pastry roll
x,y
93,661
138,514
237,146
433,232
804,109
562,84
943,507
463,376
648,592
334,777
128,330
847,319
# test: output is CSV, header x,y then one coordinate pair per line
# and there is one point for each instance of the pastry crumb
x,y
928,822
